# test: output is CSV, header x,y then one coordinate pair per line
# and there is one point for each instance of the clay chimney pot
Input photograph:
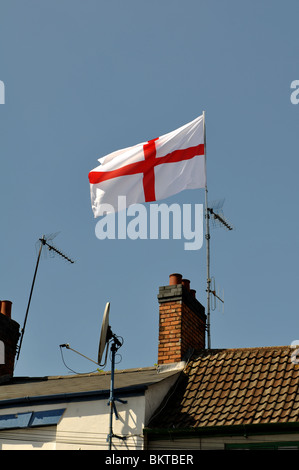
x,y
5,308
186,283
175,279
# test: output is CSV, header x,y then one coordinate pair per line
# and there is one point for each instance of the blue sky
x,y
85,78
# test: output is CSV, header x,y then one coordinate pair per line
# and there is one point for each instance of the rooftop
x,y
233,387
27,389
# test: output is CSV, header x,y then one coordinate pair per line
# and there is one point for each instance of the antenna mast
x,y
208,270
207,217
43,242
218,217
214,211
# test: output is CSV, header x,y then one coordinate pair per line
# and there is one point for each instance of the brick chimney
x,y
182,321
9,335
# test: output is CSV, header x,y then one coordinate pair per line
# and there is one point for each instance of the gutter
x,y
132,391
232,430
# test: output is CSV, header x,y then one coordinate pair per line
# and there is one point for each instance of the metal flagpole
x,y
207,217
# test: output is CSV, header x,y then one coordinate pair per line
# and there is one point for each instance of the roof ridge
x,y
207,352
259,347
99,373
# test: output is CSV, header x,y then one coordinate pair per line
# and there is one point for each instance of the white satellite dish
x,y
104,337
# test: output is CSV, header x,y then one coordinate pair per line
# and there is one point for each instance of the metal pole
x,y
42,240
207,217
111,400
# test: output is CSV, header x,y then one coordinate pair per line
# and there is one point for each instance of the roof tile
x,y
234,386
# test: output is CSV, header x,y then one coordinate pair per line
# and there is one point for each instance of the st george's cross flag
x,y
151,170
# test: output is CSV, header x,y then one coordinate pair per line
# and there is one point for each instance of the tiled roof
x,y
233,387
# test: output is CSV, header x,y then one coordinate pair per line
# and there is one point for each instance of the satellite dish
x,y
104,337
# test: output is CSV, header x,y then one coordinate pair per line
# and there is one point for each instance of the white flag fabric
x,y
151,170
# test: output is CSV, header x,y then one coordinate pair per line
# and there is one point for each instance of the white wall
x,y
84,425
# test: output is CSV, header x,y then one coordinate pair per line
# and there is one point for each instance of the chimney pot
x,y
186,283
193,293
5,308
175,279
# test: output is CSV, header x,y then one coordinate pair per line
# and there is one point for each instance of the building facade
x,y
195,398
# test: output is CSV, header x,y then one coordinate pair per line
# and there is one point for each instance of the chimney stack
x,y
9,336
182,321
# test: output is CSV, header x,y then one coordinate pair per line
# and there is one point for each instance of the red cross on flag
x,y
151,170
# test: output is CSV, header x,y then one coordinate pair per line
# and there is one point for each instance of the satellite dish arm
x,y
67,346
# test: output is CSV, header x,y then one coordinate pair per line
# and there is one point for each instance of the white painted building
x,y
244,398
72,412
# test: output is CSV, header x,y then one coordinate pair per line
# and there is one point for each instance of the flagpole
x,y
207,217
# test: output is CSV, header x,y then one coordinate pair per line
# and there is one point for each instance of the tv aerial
x,y
214,214
52,250
215,210
43,242
107,339
215,296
